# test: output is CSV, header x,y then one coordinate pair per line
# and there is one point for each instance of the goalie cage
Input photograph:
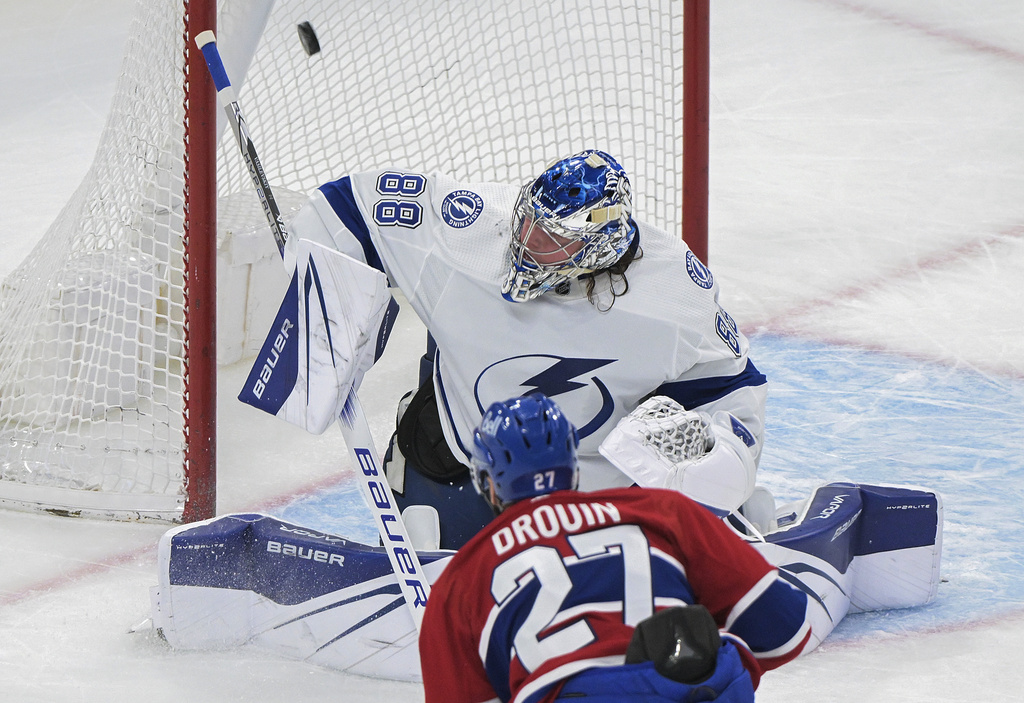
x,y
107,380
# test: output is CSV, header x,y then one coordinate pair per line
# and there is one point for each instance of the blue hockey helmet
x,y
526,447
572,220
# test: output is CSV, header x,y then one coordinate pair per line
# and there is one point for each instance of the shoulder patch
x,y
700,273
461,208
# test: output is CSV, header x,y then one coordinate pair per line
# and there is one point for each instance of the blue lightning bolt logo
x,y
557,379
560,378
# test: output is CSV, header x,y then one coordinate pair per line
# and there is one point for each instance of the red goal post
x,y
108,347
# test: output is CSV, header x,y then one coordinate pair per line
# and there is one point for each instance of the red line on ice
x,y
936,32
113,561
788,322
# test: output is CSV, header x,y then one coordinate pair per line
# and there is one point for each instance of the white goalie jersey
x,y
445,245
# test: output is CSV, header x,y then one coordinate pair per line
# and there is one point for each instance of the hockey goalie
x,y
253,579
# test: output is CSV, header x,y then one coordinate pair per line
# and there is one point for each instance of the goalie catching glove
x,y
663,445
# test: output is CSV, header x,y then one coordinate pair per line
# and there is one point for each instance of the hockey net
x,y
97,386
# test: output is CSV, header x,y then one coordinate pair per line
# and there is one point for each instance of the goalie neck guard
x,y
524,447
572,220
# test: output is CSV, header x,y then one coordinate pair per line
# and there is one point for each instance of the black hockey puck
x,y
307,35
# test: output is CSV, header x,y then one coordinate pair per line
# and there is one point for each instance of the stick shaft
x,y
229,99
354,426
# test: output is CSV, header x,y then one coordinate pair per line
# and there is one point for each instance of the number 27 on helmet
x,y
524,447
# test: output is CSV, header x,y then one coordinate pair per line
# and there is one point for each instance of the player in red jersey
x,y
618,594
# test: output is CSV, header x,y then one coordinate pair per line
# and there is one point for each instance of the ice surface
x,y
868,228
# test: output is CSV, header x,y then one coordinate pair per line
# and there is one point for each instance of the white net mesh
x,y
92,325
91,322
484,91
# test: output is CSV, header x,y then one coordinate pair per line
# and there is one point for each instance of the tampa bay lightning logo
x,y
572,383
700,273
460,208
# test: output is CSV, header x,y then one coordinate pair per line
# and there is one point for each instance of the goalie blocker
x,y
304,594
332,326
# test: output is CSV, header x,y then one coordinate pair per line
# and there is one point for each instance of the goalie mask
x,y
524,447
573,220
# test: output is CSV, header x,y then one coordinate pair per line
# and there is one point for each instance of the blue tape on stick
x,y
216,66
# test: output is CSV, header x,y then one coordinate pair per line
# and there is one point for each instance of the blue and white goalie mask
x,y
573,220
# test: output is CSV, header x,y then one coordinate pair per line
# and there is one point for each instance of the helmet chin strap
x,y
492,499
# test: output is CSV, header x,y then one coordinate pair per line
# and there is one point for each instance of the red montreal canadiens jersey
x,y
555,585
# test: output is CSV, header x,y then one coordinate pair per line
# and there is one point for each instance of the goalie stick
x,y
354,426
207,43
